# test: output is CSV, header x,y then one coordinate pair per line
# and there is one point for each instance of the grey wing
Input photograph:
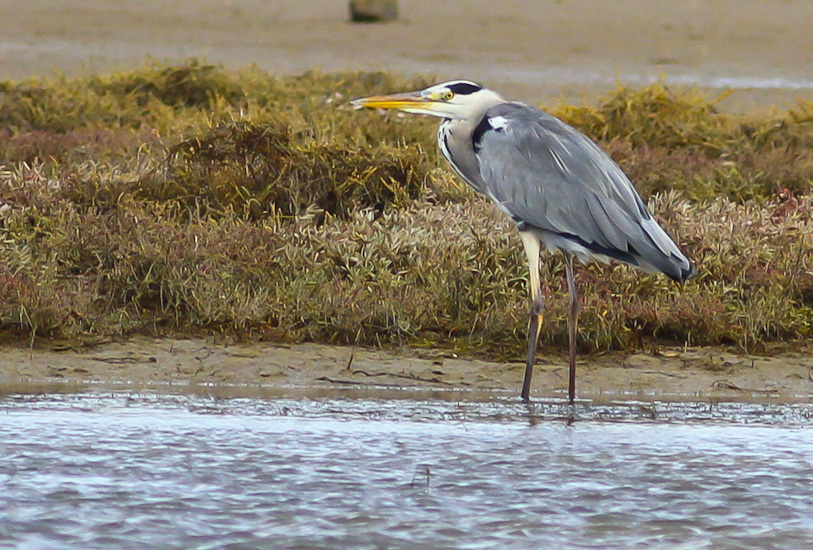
x,y
553,179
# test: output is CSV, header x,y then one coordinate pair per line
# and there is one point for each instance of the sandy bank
x,y
682,374
532,51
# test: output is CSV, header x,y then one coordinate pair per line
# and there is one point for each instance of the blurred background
x,y
538,51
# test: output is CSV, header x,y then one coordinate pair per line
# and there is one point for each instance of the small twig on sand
x,y
723,384
406,376
671,374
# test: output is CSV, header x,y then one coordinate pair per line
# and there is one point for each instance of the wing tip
x,y
685,271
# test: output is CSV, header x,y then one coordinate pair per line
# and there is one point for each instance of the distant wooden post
x,y
373,11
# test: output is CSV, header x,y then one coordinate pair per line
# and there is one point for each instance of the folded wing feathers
x,y
550,176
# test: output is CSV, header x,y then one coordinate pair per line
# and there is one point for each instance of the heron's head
x,y
456,99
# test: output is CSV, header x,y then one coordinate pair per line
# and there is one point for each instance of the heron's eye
x,y
448,95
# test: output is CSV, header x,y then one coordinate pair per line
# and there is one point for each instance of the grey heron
x,y
556,184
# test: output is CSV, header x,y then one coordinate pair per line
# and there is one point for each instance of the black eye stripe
x,y
464,88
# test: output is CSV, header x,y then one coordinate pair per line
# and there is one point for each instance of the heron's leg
x,y
531,244
572,320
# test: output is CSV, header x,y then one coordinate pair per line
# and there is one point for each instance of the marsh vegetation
x,y
188,199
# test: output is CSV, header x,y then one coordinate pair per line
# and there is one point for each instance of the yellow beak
x,y
394,101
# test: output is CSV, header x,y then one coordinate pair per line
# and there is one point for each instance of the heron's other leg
x,y
531,244
572,320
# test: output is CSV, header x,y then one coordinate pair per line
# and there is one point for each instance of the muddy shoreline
x,y
188,365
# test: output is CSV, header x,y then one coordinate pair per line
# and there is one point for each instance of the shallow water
x,y
156,471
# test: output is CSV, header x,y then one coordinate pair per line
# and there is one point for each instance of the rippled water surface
x,y
151,471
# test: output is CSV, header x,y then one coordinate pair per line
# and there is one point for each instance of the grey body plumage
x,y
556,183
559,187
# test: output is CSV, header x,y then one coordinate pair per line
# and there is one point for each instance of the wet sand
x,y
531,51
188,365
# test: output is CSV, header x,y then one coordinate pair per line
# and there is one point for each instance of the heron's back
x,y
554,181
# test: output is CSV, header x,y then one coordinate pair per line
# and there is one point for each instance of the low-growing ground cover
x,y
188,199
